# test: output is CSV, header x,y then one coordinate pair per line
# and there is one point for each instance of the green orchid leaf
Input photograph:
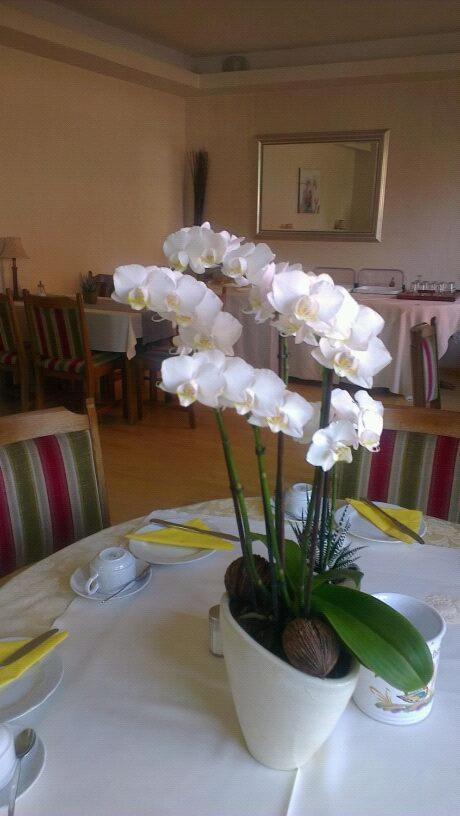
x,y
380,638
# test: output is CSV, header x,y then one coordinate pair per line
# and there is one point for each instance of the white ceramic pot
x,y
285,715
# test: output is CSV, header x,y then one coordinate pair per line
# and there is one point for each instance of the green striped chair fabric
x,y
49,497
413,470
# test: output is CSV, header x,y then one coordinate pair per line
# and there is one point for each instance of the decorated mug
x,y
110,570
374,696
7,755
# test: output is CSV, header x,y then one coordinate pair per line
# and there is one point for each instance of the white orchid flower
x,y
341,325
130,284
239,377
207,248
246,263
343,406
370,421
332,444
222,333
258,304
290,417
175,296
366,324
175,249
358,367
311,426
195,379
289,285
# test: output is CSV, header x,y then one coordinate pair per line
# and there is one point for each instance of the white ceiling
x,y
208,27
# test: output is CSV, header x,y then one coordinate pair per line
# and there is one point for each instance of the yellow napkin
x,y
411,519
19,667
174,537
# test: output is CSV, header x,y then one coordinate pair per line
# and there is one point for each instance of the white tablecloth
x,y
143,722
259,343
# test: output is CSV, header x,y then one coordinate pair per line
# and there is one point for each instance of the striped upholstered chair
x,y
60,344
425,365
418,465
52,489
13,355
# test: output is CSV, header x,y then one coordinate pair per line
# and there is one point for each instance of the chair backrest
x,y
57,327
105,283
381,277
417,466
425,365
10,333
52,488
342,275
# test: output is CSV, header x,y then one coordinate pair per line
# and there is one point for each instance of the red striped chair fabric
x,y
49,497
77,366
413,470
8,358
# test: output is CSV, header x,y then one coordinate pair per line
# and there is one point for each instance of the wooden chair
x,y
60,345
13,355
342,275
425,365
418,465
149,358
381,277
52,486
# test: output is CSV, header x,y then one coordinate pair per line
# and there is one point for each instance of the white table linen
x,y
258,344
143,722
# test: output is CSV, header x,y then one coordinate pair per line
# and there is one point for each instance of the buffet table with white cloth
x,y
143,722
259,342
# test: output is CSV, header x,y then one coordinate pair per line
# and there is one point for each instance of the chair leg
x,y
191,416
24,390
153,392
39,388
139,391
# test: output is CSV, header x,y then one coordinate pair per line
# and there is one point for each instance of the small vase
x,y
285,715
90,297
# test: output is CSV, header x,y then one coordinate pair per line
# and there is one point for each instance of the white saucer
x,y
32,688
362,528
289,516
81,575
161,553
31,768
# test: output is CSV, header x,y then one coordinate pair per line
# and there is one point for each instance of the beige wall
x,y
422,205
91,169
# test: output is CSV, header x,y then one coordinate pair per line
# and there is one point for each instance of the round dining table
x,y
143,722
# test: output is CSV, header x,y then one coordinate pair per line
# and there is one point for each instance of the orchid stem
x,y
271,531
283,363
240,508
318,489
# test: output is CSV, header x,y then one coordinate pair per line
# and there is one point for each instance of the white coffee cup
x,y
7,755
110,570
296,500
374,696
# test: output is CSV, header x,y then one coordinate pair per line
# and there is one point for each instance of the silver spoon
x,y
23,743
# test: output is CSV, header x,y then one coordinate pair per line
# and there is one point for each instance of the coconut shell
x,y
237,581
311,646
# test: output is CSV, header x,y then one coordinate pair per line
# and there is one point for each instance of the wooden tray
x,y
448,298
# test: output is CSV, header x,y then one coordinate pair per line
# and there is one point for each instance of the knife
x,y
28,647
398,524
224,536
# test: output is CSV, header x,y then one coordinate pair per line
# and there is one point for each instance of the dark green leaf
x,y
380,638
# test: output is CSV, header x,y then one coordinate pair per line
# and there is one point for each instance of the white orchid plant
x,y
343,336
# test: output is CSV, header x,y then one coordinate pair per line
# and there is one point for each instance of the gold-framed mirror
x,y
322,186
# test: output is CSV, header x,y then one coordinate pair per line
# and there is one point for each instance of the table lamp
x,y
12,248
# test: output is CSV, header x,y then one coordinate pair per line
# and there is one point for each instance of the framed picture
x,y
308,192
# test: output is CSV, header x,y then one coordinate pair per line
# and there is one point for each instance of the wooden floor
x,y
160,462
